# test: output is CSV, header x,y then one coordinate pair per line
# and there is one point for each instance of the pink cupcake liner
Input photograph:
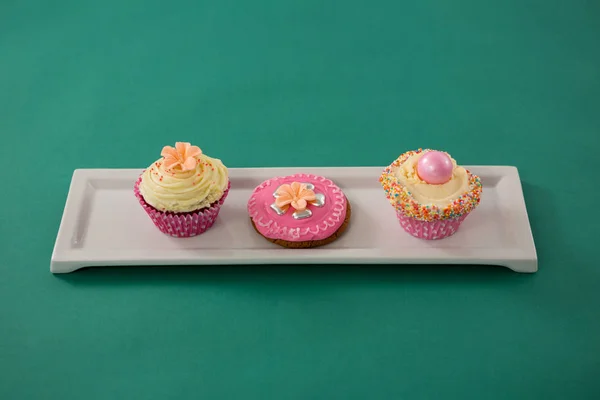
x,y
430,230
182,224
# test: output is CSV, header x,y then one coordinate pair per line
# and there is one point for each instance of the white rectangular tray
x,y
104,225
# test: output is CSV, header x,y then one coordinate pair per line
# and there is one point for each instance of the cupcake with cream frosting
x,y
183,191
431,194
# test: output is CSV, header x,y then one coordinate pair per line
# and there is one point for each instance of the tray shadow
x,y
548,235
300,279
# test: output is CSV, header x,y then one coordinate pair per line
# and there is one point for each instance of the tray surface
x,y
103,225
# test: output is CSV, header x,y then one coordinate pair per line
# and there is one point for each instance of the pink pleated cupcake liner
x,y
182,225
430,230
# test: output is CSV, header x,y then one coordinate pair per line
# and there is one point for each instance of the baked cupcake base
x,y
430,230
182,225
324,219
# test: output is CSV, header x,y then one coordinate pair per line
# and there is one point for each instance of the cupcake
x,y
299,211
183,191
431,194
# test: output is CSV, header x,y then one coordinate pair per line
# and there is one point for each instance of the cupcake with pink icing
x,y
183,191
299,211
430,193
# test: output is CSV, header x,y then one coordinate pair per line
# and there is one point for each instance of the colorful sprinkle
x,y
402,199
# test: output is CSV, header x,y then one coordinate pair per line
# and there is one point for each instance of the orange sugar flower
x,y
296,195
182,156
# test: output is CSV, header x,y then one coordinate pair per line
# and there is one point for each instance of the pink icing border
x,y
324,222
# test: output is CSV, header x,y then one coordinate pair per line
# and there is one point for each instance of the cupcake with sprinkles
x,y
183,191
431,194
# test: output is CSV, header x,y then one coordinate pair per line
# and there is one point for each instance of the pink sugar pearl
x,y
435,167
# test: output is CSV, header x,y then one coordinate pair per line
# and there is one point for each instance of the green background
x,y
87,84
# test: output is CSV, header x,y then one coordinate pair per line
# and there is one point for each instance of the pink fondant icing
x,y
324,222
